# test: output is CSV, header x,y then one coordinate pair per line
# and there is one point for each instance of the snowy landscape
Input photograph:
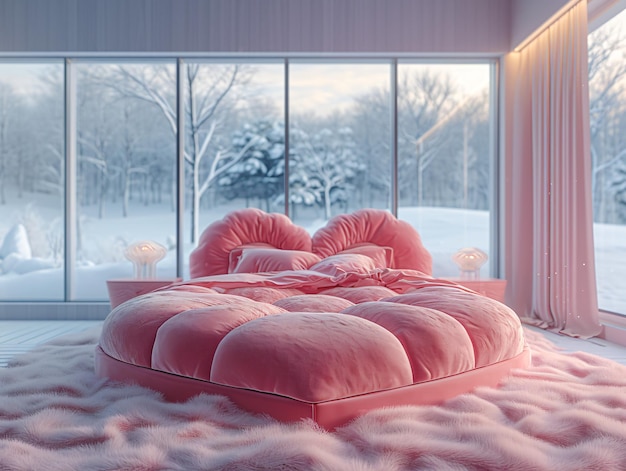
x,y
443,230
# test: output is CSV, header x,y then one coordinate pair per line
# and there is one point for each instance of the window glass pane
x,y
126,122
339,138
32,181
607,100
340,159
234,141
444,158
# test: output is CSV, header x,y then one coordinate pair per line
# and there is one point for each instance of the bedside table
x,y
124,289
491,287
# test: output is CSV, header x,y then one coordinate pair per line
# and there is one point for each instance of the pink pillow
x,y
263,260
382,256
337,265
236,253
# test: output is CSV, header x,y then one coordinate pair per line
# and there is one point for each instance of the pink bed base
x,y
325,328
328,414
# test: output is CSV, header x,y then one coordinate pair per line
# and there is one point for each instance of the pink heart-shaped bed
x,y
312,355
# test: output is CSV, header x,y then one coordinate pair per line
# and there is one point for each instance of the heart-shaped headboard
x,y
252,226
375,227
248,226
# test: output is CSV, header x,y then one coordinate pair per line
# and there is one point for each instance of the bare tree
x,y
7,112
46,122
607,80
97,137
425,98
370,120
207,89
128,167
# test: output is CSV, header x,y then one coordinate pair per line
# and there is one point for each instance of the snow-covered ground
x,y
610,243
443,232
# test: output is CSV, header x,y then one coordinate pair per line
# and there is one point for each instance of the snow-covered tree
x,y
619,185
261,171
326,164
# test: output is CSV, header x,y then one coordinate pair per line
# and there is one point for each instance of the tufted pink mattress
x,y
328,341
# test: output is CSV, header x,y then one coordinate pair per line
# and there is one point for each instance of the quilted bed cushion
x,y
313,347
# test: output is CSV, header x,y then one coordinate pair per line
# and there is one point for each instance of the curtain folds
x,y
549,219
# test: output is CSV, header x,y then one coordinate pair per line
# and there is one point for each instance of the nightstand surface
x,y
121,290
493,288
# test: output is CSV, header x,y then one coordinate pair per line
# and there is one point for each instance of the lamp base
x,y
470,275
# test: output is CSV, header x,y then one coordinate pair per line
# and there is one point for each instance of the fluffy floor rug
x,y
567,412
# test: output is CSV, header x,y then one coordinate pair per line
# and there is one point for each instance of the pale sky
x,y
324,87
24,77
320,87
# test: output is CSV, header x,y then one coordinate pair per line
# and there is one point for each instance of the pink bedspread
x,y
316,339
323,327
308,281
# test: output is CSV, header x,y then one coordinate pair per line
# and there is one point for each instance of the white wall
x,y
329,26
528,15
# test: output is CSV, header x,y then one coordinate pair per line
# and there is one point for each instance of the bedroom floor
x,y
18,337
595,346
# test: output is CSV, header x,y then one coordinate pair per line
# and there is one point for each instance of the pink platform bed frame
x,y
324,327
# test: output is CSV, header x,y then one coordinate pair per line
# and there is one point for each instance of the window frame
x,y
71,308
614,323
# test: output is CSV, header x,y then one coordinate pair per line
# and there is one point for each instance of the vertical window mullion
x,y
496,178
180,167
70,111
286,120
393,96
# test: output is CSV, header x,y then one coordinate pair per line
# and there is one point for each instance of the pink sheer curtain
x,y
548,228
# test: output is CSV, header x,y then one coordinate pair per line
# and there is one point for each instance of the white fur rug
x,y
567,412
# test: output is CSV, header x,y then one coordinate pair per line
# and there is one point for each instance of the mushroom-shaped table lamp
x,y
145,255
469,261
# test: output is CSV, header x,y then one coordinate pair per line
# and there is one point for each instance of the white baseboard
x,y
54,311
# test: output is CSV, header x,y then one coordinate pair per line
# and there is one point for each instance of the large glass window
x,y
32,181
445,157
607,100
126,167
341,157
339,139
234,140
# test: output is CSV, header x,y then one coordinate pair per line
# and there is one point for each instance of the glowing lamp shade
x,y
145,255
469,261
